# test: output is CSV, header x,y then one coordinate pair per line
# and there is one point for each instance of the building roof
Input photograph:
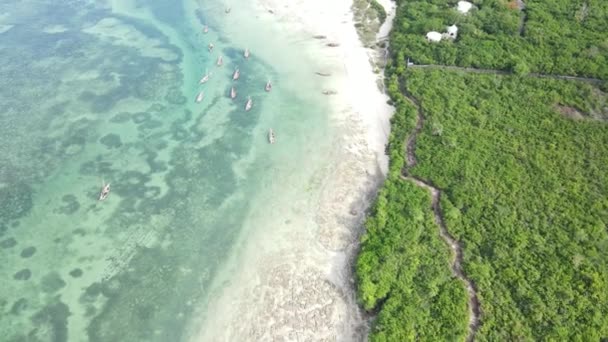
x,y
464,6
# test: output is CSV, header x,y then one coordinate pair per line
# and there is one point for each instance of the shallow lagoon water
x,y
104,91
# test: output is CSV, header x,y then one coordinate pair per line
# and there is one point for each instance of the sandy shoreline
x,y
294,282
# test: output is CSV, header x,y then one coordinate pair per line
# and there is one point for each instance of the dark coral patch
x,y
79,231
111,140
24,274
52,282
175,96
53,320
121,117
19,306
150,124
90,293
76,273
71,205
28,252
141,117
8,243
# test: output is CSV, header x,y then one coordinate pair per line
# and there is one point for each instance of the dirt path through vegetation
x,y
503,72
473,302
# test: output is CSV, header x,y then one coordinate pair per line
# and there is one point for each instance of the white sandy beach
x,y
294,282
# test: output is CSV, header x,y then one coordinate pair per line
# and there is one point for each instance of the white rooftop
x,y
464,6
434,36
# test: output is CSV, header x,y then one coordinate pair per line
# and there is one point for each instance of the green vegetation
x,y
557,36
521,165
525,191
406,271
379,10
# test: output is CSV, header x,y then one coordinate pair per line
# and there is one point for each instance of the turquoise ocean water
x,y
94,91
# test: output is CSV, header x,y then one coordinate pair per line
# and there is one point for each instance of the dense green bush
x,y
404,268
557,36
528,197
521,163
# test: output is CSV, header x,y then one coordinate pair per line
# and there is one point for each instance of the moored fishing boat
x,y
232,93
246,53
220,61
210,47
205,78
205,29
271,137
200,97
268,86
236,74
105,191
248,104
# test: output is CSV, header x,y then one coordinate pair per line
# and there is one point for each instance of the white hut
x,y
464,7
452,31
433,36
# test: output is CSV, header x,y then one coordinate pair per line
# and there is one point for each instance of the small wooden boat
x,y
210,47
271,137
205,78
227,10
268,86
232,93
105,191
200,97
220,61
329,92
236,74
319,36
205,29
249,104
324,74
332,44
246,53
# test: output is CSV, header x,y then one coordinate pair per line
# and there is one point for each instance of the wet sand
x,y
291,275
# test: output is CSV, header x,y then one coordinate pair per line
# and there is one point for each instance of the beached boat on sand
x,y
249,104
268,86
220,61
271,137
232,93
200,97
105,191
236,74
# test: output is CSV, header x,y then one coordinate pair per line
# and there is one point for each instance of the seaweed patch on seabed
x,y
15,201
